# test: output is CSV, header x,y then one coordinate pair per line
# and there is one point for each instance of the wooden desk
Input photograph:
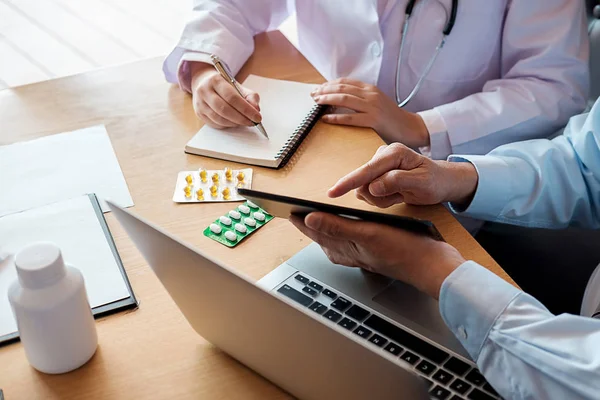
x,y
152,353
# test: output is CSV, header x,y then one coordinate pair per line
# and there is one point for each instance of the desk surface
x,y
152,352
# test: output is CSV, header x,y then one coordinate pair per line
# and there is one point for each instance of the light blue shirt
x,y
523,350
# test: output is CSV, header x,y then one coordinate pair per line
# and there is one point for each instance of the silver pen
x,y
224,71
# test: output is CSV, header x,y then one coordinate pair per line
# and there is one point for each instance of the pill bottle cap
x,y
40,264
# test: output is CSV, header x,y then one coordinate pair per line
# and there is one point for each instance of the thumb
x,y
395,181
251,97
333,226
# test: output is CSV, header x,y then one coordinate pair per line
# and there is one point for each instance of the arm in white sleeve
x,y
544,80
523,350
542,183
225,28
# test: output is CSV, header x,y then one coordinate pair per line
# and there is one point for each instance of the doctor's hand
x,y
373,110
398,174
417,260
217,102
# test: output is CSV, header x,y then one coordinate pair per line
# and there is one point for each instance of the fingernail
x,y
333,188
313,93
316,98
377,188
312,221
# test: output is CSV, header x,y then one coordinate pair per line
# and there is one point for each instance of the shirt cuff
x,y
493,187
439,142
184,75
471,300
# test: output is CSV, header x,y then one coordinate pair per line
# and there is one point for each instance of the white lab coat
x,y
510,70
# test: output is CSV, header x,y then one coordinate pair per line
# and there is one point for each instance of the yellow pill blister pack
x,y
206,186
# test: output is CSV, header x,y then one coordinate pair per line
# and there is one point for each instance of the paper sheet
x,y
284,104
62,166
73,225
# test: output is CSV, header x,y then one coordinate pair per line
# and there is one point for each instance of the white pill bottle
x,y
52,311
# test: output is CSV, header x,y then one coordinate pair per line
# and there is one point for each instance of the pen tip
x,y
262,130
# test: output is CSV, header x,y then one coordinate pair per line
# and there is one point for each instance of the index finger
x,y
382,162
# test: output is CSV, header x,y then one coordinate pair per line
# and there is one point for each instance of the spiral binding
x,y
299,134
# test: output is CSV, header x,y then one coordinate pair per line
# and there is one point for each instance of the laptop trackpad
x,y
419,312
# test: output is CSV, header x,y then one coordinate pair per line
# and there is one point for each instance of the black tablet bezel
x,y
284,206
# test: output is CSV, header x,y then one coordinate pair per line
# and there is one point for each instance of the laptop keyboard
x,y
447,377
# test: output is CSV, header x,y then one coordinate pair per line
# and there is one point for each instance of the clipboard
x,y
129,302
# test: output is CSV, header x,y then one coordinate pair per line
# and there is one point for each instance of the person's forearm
x,y
225,28
520,347
541,183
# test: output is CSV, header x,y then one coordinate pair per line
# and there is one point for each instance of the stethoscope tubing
x,y
447,30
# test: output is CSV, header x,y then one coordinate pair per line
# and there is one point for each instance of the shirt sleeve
x,y
225,28
544,80
523,350
439,142
542,183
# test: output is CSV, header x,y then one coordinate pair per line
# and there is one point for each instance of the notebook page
x,y
283,104
73,225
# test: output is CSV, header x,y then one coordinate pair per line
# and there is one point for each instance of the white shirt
x,y
510,70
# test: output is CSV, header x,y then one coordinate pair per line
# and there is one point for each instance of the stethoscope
x,y
447,29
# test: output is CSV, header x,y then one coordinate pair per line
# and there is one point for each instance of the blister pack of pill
x,y
237,224
205,186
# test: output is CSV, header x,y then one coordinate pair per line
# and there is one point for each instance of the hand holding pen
x,y
219,102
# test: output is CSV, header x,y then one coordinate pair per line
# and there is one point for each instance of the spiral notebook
x,y
288,112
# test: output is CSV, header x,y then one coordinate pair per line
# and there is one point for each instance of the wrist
x,y
407,128
461,180
421,130
198,71
439,264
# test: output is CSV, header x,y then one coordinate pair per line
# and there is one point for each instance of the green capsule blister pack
x,y
238,224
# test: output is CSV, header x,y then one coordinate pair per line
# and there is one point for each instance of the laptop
x,y
315,329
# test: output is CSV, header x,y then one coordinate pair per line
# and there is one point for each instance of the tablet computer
x,y
284,206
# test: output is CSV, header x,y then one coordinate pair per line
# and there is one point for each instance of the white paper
x,y
58,167
73,226
283,106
